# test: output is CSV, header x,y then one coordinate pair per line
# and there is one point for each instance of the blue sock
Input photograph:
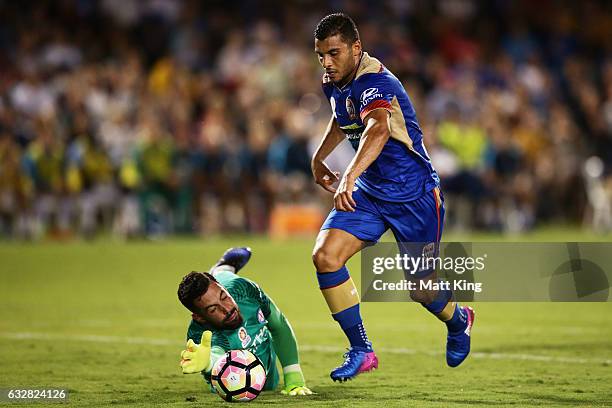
x,y
349,319
458,322
440,302
352,325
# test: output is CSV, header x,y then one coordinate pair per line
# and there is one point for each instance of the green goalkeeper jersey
x,y
254,334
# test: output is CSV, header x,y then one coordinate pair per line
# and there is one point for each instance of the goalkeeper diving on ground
x,y
231,312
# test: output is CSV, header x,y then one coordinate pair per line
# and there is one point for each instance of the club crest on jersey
x,y
244,337
350,109
260,316
368,95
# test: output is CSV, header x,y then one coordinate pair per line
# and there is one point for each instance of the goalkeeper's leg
x,y
233,259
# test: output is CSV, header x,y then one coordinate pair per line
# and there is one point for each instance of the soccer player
x,y
230,312
390,183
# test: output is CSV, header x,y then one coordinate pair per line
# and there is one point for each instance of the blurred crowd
x,y
150,117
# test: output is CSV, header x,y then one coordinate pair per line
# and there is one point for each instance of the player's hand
x,y
295,384
324,176
296,390
343,199
196,357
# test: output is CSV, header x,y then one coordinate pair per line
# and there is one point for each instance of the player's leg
x,y
343,234
333,248
234,258
231,262
421,221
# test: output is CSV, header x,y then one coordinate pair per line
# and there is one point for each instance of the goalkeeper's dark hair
x,y
337,23
193,285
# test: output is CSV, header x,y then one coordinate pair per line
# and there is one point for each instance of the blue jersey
x,y
403,170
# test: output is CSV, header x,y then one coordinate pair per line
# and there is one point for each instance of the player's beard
x,y
235,323
348,77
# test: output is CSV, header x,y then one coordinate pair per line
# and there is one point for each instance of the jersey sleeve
x,y
283,336
375,91
194,331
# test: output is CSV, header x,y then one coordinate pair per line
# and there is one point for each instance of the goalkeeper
x,y
230,312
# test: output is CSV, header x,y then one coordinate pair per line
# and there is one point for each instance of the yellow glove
x,y
293,391
295,384
196,358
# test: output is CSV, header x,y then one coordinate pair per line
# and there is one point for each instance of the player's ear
x,y
356,48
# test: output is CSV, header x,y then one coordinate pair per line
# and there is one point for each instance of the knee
x,y
326,261
423,296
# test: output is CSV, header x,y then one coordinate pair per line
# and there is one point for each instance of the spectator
x,y
202,118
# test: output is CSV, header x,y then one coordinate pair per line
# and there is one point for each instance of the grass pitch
x,y
102,320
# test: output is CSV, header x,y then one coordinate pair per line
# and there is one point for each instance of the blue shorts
x,y
418,221
416,225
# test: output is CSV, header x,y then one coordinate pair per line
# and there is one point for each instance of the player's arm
x,y
331,139
376,133
286,347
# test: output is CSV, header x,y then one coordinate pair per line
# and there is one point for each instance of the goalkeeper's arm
x,y
286,347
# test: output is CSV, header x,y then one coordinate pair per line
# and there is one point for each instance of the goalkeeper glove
x,y
303,390
295,384
196,357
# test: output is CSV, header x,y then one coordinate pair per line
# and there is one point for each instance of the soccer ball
x,y
238,376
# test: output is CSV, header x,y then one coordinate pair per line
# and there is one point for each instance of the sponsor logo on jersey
x,y
260,316
244,337
350,109
368,95
353,132
261,337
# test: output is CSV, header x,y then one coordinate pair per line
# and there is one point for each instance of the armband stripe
x,y
378,104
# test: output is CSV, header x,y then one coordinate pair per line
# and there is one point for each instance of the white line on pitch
x,y
94,338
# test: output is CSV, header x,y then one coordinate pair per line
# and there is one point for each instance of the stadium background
x,y
148,118
191,124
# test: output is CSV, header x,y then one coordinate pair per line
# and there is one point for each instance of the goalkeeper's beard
x,y
232,324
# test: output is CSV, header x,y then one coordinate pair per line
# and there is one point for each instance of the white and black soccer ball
x,y
238,376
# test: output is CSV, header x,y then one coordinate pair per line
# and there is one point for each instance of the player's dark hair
x,y
337,23
194,285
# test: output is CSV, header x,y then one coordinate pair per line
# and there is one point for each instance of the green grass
x,y
102,320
